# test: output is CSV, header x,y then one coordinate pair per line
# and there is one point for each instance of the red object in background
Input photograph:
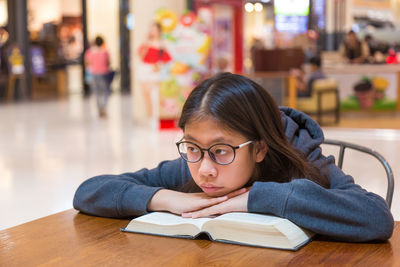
x,y
168,124
154,55
188,19
392,58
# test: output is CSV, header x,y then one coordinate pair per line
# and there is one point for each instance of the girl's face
x,y
154,32
215,179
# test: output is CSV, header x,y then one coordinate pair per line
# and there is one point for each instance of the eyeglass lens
x,y
222,154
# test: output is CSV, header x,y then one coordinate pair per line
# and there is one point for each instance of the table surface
x,y
70,238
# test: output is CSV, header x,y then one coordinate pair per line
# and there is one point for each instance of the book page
x,y
252,218
256,230
164,218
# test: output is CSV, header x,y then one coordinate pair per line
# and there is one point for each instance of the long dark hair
x,y
242,105
353,52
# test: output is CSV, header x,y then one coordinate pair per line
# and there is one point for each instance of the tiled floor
x,y
48,148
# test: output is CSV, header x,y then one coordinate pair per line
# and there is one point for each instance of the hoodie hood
x,y
301,130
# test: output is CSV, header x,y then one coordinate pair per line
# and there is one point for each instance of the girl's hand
x,y
236,203
181,203
178,202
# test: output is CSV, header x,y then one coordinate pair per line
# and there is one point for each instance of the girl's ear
x,y
261,150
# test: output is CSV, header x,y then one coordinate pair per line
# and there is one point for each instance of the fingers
x,y
193,205
203,205
213,210
234,204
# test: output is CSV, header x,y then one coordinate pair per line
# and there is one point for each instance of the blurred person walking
x,y
97,59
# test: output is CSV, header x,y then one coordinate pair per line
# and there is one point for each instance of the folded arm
x,y
345,211
128,194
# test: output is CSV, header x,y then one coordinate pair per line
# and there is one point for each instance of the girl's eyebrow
x,y
213,141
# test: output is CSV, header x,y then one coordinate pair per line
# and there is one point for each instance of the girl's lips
x,y
210,188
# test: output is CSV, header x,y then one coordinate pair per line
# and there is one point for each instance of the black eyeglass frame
x,y
212,156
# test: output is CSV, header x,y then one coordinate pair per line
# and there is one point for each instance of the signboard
x,y
177,64
189,44
37,61
291,15
292,7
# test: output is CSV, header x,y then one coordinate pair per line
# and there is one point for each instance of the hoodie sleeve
x,y
345,211
128,194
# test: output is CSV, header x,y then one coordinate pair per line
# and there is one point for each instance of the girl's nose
x,y
207,167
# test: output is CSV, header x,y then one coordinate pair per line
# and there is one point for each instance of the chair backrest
x,y
382,160
325,83
327,87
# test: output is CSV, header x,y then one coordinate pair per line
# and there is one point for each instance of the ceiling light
x,y
249,7
258,7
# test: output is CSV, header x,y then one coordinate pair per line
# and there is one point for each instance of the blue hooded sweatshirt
x,y
344,211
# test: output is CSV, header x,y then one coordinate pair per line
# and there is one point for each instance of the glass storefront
x,y
49,37
56,35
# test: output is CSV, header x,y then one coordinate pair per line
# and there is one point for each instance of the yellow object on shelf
x,y
380,83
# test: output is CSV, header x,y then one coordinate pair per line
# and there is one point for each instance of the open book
x,y
237,227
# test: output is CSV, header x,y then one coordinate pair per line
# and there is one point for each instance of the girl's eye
x,y
192,149
220,151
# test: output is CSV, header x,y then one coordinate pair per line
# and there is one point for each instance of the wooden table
x,y
72,239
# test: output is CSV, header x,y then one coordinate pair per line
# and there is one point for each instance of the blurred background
x,y
336,60
43,43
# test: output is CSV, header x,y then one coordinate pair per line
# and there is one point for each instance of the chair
x,y
382,160
324,100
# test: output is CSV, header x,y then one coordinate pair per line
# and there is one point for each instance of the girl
x,y
240,152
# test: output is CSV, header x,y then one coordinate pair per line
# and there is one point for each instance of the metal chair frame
x,y
389,173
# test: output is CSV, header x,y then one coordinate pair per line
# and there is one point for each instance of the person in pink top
x,y
97,60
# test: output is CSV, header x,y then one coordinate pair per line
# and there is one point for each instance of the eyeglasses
x,y
222,154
